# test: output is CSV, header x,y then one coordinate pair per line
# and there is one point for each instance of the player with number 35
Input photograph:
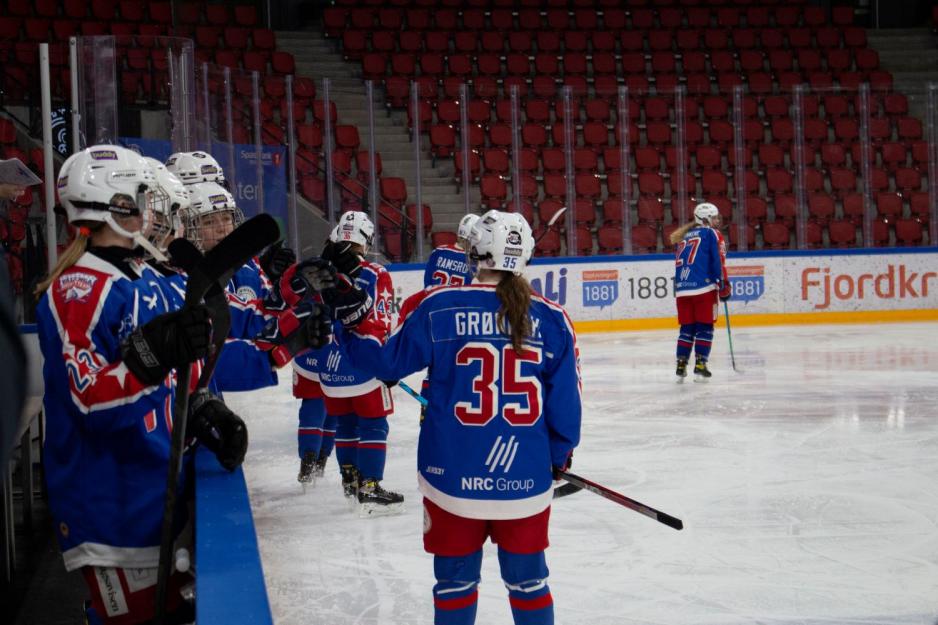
x,y
507,415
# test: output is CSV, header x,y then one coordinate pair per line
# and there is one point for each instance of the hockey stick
x,y
622,500
560,491
550,223
216,268
729,335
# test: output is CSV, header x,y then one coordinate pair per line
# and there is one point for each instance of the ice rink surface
x,y
807,482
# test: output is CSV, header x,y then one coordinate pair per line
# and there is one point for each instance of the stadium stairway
x,y
318,57
911,55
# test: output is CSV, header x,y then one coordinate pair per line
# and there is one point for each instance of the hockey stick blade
x,y
214,270
622,500
187,256
550,223
565,490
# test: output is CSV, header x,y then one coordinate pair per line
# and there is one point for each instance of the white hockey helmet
x,y
107,182
166,224
211,216
465,226
354,227
195,167
705,212
501,242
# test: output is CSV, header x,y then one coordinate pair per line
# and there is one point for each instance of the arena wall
x,y
608,293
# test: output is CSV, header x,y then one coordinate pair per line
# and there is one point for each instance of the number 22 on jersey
x,y
485,404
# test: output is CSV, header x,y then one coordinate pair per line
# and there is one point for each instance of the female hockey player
x,y
699,277
361,402
509,411
112,331
448,263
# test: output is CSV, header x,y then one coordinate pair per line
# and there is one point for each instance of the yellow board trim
x,y
856,316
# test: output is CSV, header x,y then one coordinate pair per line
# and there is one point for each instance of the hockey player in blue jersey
x,y
111,332
448,263
699,279
508,414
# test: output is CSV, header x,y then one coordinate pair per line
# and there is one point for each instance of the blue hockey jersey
x,y
338,376
447,265
107,434
698,262
241,365
503,419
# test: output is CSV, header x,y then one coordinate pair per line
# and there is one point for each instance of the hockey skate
x,y
681,372
350,479
319,469
701,373
307,468
375,501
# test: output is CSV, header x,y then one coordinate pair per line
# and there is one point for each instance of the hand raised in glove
x,y
349,303
567,463
726,291
169,341
343,257
220,430
276,259
306,326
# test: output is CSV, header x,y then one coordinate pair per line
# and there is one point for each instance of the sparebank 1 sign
x,y
747,281
600,287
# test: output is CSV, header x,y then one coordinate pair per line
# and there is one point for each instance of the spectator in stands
x,y
14,178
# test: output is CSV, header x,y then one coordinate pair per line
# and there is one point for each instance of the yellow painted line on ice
x,y
858,316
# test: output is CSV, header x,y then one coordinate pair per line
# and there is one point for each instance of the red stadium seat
x,y
909,232
842,233
776,235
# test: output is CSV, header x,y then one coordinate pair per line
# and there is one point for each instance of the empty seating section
x,y
655,49
226,35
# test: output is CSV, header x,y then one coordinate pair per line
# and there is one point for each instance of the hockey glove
x,y
350,306
726,292
307,326
220,430
276,260
349,303
566,466
170,341
345,260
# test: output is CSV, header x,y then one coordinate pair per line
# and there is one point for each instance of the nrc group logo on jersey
x,y
332,362
502,455
747,282
600,288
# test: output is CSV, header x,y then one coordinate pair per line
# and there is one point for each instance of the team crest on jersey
x,y
246,293
76,286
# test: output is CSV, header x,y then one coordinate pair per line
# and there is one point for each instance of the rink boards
x,y
609,293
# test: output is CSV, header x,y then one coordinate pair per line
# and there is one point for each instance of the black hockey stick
x,y
729,335
622,500
187,256
216,268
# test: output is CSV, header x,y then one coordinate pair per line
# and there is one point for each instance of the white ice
x,y
807,483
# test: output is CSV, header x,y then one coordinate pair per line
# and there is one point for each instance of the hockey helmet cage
x,y
354,227
501,242
705,212
206,199
195,167
465,226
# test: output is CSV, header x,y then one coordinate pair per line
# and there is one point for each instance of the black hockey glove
x,y
307,326
170,341
220,430
566,466
276,259
345,260
349,303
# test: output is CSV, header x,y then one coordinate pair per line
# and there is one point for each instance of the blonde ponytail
x,y
68,258
678,234
514,293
